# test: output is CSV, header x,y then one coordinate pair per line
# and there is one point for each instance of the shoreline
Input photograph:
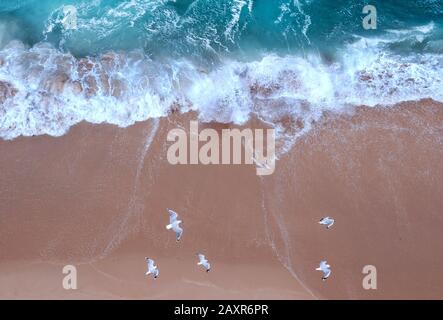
x,y
99,194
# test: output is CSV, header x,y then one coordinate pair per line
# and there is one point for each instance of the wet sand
x,y
96,198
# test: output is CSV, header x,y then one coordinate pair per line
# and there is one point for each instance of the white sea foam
x,y
236,11
56,90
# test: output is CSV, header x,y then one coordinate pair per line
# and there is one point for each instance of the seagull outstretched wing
x,y
150,263
172,216
178,231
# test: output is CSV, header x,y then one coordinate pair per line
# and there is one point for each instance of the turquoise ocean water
x,y
226,59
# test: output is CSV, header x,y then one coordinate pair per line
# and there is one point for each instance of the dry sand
x,y
96,198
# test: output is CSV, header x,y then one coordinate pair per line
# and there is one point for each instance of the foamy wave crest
x,y
44,91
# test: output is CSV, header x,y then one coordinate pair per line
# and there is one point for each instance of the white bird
x,y
203,262
174,224
325,268
152,268
327,221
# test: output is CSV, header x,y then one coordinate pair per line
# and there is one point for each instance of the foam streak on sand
x,y
286,260
135,206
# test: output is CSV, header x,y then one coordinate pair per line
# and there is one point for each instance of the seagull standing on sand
x,y
327,221
203,262
152,268
174,224
325,268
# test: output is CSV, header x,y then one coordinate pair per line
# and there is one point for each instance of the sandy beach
x,y
96,198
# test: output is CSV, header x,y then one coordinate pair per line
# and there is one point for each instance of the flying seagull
x,y
327,221
325,268
174,224
152,268
203,262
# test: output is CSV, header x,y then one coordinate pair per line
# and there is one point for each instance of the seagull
x,y
204,262
327,221
152,268
174,224
325,268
